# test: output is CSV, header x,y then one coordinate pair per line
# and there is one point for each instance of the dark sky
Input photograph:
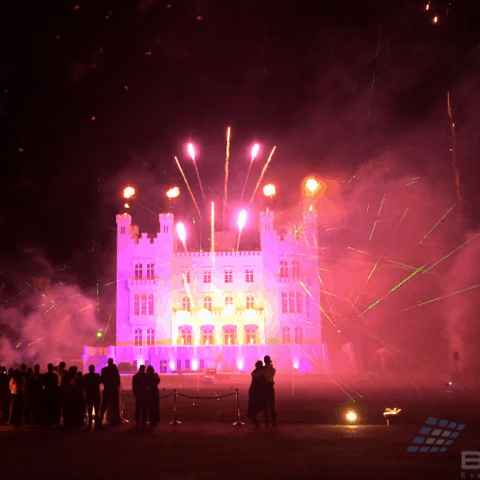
x,y
331,83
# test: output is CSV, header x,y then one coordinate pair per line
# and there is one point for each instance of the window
x,y
150,271
249,275
207,336
150,303
207,276
251,334
284,302
202,364
185,335
136,304
286,334
138,271
229,276
163,366
283,269
298,335
187,278
291,297
250,301
122,229
207,303
186,304
228,300
138,337
150,337
296,269
144,304
165,229
299,302
179,365
187,364
229,335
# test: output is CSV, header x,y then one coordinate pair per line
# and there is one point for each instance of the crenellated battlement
x,y
219,254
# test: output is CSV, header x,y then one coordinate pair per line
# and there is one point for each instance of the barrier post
x,y
175,421
238,423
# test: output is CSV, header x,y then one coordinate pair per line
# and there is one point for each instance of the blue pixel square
x,y
455,434
418,440
442,423
452,425
448,442
443,449
460,427
431,421
425,430
434,449
424,449
412,449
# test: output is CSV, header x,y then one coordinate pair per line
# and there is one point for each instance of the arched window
x,y
186,303
187,277
138,271
185,335
207,335
150,271
207,276
151,304
150,337
284,302
283,269
229,275
296,269
286,334
299,302
207,303
228,300
298,334
136,304
251,332
249,275
229,335
250,301
138,337
291,298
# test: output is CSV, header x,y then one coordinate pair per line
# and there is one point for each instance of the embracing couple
x,y
261,395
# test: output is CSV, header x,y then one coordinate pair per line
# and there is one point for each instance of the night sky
x,y
98,94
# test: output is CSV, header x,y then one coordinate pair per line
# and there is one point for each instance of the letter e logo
x,y
470,460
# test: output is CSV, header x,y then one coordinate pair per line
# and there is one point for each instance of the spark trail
x,y
188,186
262,174
438,223
225,195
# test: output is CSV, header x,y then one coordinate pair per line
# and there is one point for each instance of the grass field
x,y
309,442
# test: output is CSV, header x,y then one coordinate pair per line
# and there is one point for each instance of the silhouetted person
x,y
4,395
78,400
27,396
256,393
16,405
153,399
68,379
140,392
51,405
269,399
36,392
62,387
91,386
111,391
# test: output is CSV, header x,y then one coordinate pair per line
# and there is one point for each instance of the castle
x,y
188,311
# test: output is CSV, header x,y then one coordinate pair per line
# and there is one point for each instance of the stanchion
x,y
175,421
238,423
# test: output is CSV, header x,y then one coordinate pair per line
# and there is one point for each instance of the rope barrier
x,y
205,398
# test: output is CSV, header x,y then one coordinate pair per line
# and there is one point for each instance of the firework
x,y
128,192
182,234
311,185
242,219
188,186
262,174
269,190
225,195
212,221
255,150
191,152
173,193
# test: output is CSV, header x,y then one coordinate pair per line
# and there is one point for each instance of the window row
x,y
139,271
141,302
229,335
228,276
286,272
207,302
150,337
292,302
286,337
